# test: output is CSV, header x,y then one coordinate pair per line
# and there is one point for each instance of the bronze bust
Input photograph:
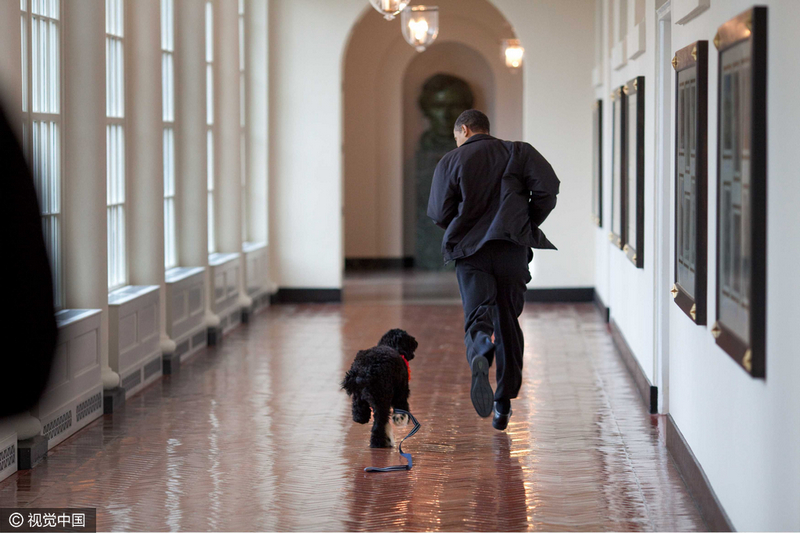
x,y
443,99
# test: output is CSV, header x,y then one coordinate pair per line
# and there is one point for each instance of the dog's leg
x,y
400,401
390,434
361,409
380,437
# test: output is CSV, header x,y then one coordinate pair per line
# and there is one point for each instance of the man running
x,y
490,196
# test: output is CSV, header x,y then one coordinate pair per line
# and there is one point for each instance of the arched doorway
x,y
382,124
451,59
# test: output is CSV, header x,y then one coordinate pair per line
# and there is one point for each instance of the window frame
x,y
29,117
168,124
121,122
211,131
242,21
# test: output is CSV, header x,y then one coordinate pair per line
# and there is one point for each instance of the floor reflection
x,y
256,435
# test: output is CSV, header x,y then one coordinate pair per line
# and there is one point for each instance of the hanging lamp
x,y
420,26
513,52
389,8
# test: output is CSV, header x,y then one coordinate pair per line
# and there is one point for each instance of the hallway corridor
x,y
256,435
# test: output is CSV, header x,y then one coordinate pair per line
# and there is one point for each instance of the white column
x,y
256,29
84,194
228,153
145,153
190,148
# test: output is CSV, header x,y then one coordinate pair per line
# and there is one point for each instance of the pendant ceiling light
x,y
420,26
389,8
513,52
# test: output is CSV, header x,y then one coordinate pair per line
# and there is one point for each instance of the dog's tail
x,y
351,382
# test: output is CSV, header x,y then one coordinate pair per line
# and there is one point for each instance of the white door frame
x,y
663,201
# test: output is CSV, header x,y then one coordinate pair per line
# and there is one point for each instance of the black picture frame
x,y
741,247
597,163
633,243
618,158
690,245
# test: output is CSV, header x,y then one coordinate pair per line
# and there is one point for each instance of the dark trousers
x,y
493,282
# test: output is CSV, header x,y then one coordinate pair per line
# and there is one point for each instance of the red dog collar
x,y
408,367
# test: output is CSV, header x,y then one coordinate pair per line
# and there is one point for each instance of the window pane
x,y
24,47
115,198
209,95
211,238
169,162
209,32
167,25
36,71
242,117
241,43
170,252
41,93
210,186
168,87
243,167
114,17
210,159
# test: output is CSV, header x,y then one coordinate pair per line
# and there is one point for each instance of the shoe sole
x,y
481,393
500,426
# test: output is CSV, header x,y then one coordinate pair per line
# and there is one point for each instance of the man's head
x,y
468,124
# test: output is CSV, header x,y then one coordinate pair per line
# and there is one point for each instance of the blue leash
x,y
407,456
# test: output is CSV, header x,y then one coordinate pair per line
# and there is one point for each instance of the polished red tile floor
x,y
256,435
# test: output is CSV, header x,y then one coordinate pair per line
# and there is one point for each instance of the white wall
x,y
307,45
557,120
743,431
746,432
629,291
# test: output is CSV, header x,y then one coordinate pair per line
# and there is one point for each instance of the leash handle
x,y
406,456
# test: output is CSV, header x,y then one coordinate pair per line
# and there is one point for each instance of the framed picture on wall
x,y
741,273
691,180
617,234
633,191
597,163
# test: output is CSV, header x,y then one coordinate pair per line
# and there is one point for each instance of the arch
x,y
452,58
376,61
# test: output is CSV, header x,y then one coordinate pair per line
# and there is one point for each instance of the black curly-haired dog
x,y
378,381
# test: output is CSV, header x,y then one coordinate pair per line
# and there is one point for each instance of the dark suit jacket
x,y
488,189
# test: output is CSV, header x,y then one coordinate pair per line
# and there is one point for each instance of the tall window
x,y
212,247
168,117
242,120
115,144
41,129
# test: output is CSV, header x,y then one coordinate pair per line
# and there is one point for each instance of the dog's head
x,y
401,341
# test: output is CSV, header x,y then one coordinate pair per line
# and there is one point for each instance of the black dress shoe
x,y
481,390
500,420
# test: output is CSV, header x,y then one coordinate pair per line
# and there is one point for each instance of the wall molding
x,y
714,515
605,312
562,295
297,296
694,477
647,390
358,264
